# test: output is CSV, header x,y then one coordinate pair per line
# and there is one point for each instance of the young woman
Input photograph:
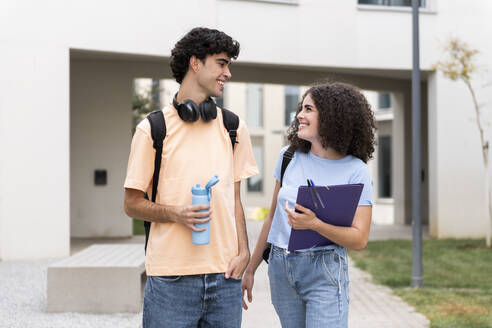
x,y
333,135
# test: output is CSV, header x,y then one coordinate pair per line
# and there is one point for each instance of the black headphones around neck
x,y
188,111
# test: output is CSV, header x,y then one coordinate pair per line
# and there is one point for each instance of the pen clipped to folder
x,y
313,192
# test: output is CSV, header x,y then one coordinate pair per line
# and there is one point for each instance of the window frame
x,y
277,2
429,7
380,101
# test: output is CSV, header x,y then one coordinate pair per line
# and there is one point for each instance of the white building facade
x,y
66,73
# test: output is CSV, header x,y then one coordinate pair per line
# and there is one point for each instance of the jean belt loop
x,y
341,252
339,274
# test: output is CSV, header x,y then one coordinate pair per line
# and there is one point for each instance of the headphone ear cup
x,y
188,111
208,110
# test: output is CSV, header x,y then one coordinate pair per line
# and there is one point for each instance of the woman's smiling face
x,y
308,119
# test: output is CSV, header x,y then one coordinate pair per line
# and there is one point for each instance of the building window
x,y
384,100
146,97
397,3
254,105
255,183
291,100
286,2
384,167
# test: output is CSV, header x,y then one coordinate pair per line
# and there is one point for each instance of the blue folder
x,y
335,205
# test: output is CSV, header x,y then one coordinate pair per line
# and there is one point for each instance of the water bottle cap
x,y
212,182
197,190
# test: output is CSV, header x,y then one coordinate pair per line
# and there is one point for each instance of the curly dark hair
x,y
200,42
346,121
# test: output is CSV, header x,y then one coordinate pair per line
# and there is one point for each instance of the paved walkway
x,y
376,306
371,306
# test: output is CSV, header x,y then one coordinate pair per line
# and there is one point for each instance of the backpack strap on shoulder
x,y
231,123
287,157
158,132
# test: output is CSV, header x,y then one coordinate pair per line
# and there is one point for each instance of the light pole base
x,y
417,282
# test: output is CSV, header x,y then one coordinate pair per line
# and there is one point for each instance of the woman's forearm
x,y
354,237
349,237
261,244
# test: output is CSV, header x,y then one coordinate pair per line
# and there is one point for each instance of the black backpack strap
x,y
288,154
286,158
158,132
231,123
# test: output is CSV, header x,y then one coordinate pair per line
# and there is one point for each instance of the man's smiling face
x,y
214,73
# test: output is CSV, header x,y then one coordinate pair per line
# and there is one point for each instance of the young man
x,y
192,285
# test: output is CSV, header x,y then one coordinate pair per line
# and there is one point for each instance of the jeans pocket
x,y
167,278
330,267
160,288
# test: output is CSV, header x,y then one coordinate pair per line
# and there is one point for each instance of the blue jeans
x,y
205,300
310,288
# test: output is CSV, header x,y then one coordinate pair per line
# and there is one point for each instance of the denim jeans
x,y
310,288
205,300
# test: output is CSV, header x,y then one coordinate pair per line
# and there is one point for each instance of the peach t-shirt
x,y
192,154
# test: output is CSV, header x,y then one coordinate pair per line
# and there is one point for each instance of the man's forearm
x,y
136,206
242,235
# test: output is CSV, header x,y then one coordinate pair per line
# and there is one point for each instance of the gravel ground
x,y
23,301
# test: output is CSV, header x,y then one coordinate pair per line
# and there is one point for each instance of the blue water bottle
x,y
202,196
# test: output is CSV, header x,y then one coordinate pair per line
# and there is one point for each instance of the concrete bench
x,y
99,279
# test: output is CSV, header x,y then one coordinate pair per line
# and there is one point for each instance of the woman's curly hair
x,y
200,42
346,121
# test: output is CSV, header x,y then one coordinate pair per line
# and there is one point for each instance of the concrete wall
x,y
400,165
100,121
456,169
457,188
34,139
109,26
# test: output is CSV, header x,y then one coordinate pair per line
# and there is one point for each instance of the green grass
x,y
457,278
138,227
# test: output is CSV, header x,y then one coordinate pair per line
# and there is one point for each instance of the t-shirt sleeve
x,y
278,167
141,161
244,160
363,176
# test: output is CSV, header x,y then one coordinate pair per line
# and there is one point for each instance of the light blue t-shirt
x,y
323,172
